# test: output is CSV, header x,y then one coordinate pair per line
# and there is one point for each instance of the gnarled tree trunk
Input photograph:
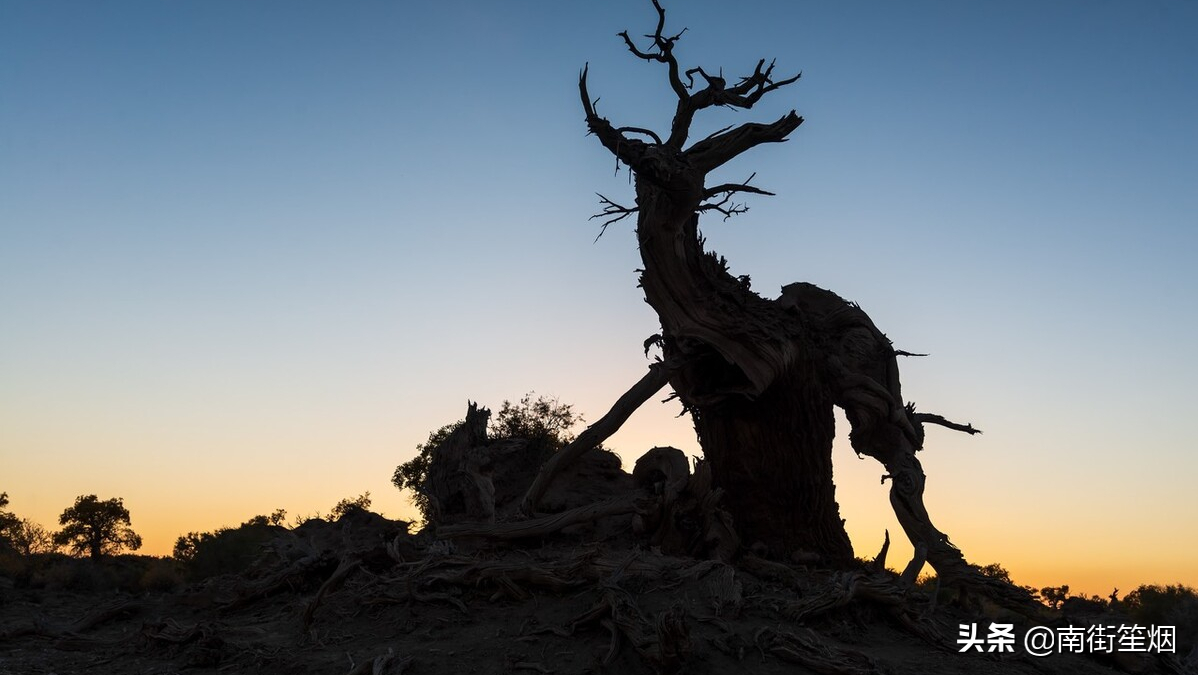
x,y
760,377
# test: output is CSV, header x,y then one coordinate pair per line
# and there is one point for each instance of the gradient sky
x,y
252,253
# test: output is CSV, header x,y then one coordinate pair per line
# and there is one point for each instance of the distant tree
x,y
543,420
96,528
29,538
359,503
8,523
1055,595
187,545
1163,604
277,518
995,571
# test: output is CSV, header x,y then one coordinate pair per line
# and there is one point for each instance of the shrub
x,y
225,551
544,422
347,505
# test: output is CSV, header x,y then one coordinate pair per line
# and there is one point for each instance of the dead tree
x,y
760,377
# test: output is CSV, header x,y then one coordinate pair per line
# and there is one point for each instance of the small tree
x,y
347,505
29,538
1055,595
96,528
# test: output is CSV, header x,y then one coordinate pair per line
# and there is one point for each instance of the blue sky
x,y
252,253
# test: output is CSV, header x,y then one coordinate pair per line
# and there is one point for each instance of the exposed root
x,y
805,647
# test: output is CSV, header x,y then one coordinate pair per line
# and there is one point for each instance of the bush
x,y
1174,605
543,421
347,506
225,551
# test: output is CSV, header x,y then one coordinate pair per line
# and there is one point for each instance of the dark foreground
x,y
360,596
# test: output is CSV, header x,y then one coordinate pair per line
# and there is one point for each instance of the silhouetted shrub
x,y
348,505
544,422
225,551
1174,605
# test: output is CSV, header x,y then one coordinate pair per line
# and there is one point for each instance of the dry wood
x,y
335,580
807,648
647,386
539,527
103,614
879,563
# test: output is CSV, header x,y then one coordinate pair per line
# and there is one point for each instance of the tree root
x,y
383,664
805,647
664,644
540,527
331,584
39,628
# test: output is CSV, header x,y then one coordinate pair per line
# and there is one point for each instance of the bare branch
x,y
717,149
650,384
640,130
744,95
613,212
628,150
929,418
664,53
729,188
879,563
750,89
724,206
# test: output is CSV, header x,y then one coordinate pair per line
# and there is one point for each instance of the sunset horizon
x,y
254,254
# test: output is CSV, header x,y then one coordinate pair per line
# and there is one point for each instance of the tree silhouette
x,y
760,377
9,523
96,528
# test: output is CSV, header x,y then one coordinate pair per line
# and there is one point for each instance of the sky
x,y
251,254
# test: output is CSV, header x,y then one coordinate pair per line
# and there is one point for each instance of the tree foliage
x,y
278,517
1055,595
349,505
30,538
544,421
1174,604
8,523
96,528
540,418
